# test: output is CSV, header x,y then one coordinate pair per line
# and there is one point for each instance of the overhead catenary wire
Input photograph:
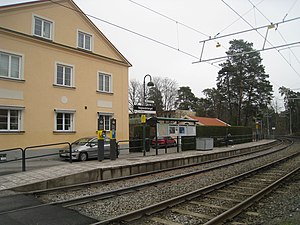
x,y
290,9
169,18
238,19
262,37
277,31
248,30
126,29
249,52
176,21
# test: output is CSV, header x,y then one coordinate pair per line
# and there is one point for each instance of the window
x,y
10,65
42,28
10,119
64,120
84,41
106,119
64,75
104,82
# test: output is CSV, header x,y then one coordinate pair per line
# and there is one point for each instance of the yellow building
x,y
58,75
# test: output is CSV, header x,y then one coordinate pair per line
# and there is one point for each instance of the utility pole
x,y
291,130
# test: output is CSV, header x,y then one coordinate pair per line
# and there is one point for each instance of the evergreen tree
x,y
186,99
242,83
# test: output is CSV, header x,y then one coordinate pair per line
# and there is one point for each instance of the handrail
x,y
46,145
23,153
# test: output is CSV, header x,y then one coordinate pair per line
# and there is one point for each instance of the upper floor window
x,y
64,75
84,41
104,82
10,65
43,28
10,119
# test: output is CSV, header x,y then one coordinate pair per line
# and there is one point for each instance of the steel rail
x,y
189,196
113,193
236,210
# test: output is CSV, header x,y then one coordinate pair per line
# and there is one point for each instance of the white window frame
x,y
110,86
44,20
107,117
64,65
20,116
72,121
84,40
21,65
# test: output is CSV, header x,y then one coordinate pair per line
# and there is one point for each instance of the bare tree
x,y
135,93
164,92
168,91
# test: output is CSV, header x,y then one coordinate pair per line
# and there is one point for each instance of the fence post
x,y
23,160
70,150
166,146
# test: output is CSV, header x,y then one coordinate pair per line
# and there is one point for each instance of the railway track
x,y
216,203
96,190
87,198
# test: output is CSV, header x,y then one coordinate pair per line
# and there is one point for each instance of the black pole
x,y
101,137
178,143
156,147
23,160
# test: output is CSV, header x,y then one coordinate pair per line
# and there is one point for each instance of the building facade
x,y
58,75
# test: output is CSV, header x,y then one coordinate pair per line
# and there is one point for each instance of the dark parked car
x,y
86,148
163,141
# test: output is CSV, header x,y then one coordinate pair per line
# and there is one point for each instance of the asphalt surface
x,y
50,215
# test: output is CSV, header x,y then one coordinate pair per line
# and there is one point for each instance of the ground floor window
x,y
106,119
10,119
64,121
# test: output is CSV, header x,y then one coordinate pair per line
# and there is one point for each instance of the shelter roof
x,y
207,121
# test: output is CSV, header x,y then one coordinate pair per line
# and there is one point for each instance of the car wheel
x,y
83,156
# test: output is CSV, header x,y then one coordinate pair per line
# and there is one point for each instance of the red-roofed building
x,y
206,121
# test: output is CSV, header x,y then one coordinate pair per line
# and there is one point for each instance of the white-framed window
x,y
106,119
10,118
104,82
64,120
42,27
10,65
84,40
64,75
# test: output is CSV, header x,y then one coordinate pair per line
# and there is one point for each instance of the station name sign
x,y
146,109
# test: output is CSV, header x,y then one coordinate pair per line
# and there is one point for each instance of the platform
x,y
125,165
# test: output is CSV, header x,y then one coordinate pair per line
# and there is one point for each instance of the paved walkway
x,y
49,173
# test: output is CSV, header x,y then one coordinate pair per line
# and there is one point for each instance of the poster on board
x,y
162,130
173,130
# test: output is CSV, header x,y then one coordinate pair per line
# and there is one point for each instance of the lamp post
x,y
149,84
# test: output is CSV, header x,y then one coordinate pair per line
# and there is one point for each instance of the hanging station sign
x,y
144,109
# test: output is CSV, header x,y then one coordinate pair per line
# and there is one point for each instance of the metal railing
x,y
23,153
136,145
131,145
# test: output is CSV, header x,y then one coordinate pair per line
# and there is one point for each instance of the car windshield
x,y
82,141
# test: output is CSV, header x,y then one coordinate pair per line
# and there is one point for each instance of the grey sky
x,y
208,17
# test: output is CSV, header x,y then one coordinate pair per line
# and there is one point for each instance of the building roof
x,y
74,8
206,121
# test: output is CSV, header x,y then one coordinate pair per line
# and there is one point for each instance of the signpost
x,y
113,128
143,121
101,137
